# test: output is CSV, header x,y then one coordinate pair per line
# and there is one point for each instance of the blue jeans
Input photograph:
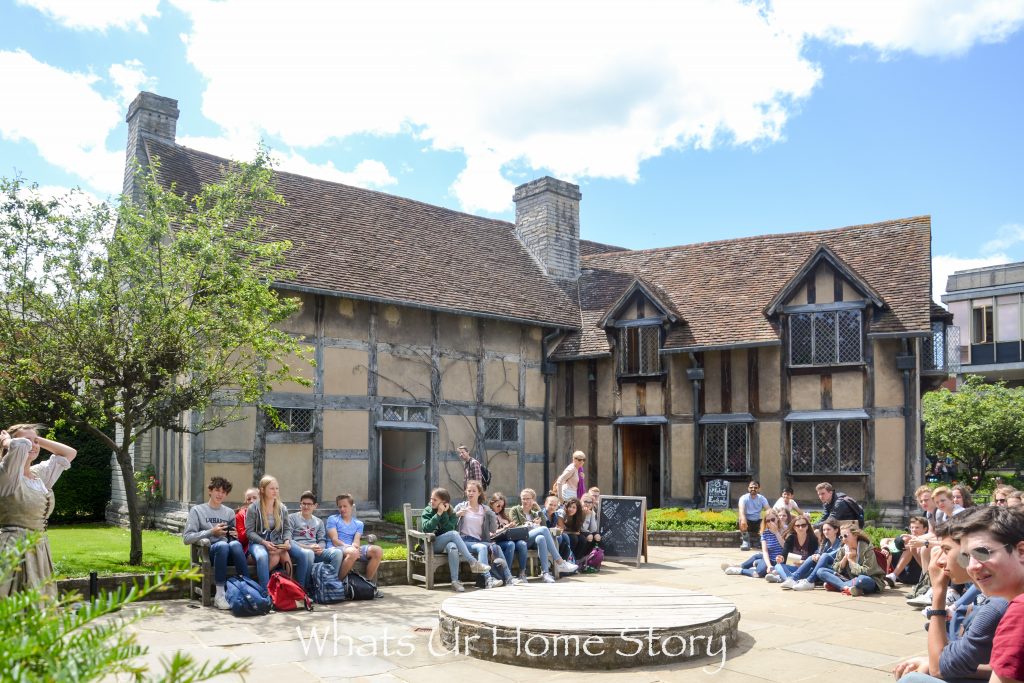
x,y
809,569
451,543
917,677
540,538
220,553
520,550
477,546
754,566
262,558
332,556
787,571
864,582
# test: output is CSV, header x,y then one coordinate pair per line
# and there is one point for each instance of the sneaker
x,y
745,547
523,579
923,600
804,585
773,578
952,596
588,570
489,581
221,602
733,571
788,584
547,578
853,591
890,580
566,567
479,567
458,587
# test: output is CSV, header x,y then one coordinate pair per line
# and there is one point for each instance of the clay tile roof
x,y
364,244
721,288
588,248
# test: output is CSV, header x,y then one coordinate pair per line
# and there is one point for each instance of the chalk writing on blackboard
x,y
716,496
622,527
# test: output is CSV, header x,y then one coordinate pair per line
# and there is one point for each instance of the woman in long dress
x,y
26,501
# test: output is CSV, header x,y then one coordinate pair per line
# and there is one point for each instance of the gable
x,y
824,278
640,301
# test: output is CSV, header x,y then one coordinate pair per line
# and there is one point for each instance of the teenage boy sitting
x,y
964,652
309,533
345,532
992,548
908,568
213,524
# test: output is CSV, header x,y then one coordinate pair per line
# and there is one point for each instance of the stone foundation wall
x,y
695,539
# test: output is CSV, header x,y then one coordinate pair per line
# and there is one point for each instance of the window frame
x,y
643,331
726,427
813,424
503,423
837,342
988,326
286,414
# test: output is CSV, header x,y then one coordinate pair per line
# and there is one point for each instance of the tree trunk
x,y
132,497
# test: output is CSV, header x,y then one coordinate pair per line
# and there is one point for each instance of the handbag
x,y
511,533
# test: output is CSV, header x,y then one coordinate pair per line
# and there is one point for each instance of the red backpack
x,y
287,595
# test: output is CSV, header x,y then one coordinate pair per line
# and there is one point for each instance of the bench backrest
x,y
413,520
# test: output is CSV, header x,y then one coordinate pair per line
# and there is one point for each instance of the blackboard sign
x,y
716,494
623,522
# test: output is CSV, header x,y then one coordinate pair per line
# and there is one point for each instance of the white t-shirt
x,y
781,503
473,522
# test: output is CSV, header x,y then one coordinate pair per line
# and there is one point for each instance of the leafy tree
x,y
980,425
159,312
43,638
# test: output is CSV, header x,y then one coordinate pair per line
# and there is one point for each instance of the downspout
x,y
695,373
906,361
547,402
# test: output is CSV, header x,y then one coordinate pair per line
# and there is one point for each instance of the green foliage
x,y
877,533
394,517
48,639
147,485
82,548
680,519
120,320
82,492
980,425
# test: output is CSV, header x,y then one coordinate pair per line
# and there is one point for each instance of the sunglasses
x,y
800,526
845,536
981,554
1000,501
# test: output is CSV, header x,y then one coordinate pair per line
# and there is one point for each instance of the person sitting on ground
x,y
785,520
478,522
806,574
529,514
799,541
962,496
758,564
439,519
346,532
1001,494
212,523
945,508
551,507
907,569
787,502
962,651
992,547
570,522
251,496
310,534
750,507
498,504
855,571
270,535
591,532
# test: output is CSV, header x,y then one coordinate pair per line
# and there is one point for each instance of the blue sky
x,y
681,121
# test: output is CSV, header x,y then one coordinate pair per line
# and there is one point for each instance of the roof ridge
x,y
894,222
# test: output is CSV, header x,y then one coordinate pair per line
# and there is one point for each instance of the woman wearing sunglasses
x,y
758,564
855,570
799,541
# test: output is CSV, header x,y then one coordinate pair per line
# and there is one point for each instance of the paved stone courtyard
x,y
784,636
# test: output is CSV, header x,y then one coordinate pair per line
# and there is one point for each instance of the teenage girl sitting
x,y
799,541
498,503
758,564
529,514
855,570
570,522
477,522
806,574
439,519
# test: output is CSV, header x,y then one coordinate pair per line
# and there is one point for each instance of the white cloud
x,y
1007,236
926,27
66,119
97,15
130,78
944,265
570,88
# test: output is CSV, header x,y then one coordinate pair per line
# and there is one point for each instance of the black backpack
x,y
854,507
485,475
360,587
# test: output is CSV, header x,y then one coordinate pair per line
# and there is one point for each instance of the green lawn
x,y
82,548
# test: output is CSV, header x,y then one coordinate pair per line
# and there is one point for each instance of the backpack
x,y
245,597
327,588
485,475
360,587
592,560
855,510
287,594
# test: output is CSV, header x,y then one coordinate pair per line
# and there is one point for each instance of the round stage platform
x,y
588,626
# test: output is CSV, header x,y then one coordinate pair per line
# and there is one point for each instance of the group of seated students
x,y
263,532
473,530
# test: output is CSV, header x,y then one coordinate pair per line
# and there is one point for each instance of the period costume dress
x,y
25,505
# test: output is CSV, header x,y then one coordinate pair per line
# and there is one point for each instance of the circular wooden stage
x,y
588,626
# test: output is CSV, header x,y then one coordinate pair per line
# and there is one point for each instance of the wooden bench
x,y
419,548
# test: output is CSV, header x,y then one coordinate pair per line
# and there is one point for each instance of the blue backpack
x,y
246,598
327,588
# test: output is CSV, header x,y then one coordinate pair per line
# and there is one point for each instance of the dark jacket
x,y
843,508
438,524
810,547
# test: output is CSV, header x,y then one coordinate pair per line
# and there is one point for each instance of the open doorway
x,y
641,462
405,470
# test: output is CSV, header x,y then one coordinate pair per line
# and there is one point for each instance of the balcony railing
x,y
940,352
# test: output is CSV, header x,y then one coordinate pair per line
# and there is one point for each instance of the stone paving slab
x,y
784,636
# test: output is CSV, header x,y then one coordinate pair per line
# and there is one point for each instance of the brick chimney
x,y
149,116
548,225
